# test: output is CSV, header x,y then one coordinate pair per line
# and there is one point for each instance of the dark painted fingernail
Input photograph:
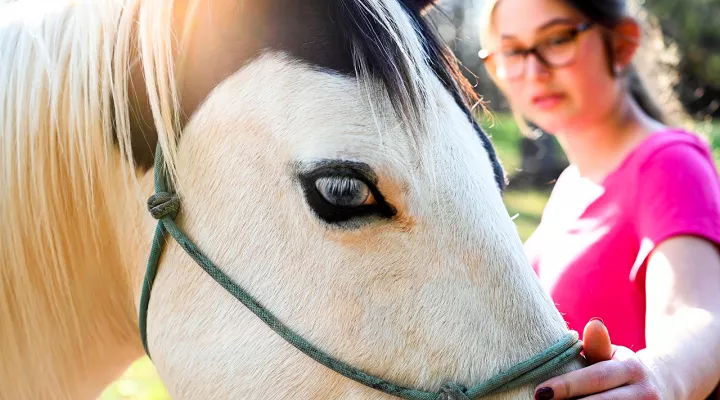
x,y
597,319
545,393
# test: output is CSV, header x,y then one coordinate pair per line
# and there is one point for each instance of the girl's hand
x,y
615,373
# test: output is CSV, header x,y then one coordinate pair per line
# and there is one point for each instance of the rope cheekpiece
x,y
164,206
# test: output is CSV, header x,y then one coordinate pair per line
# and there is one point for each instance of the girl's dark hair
x,y
609,14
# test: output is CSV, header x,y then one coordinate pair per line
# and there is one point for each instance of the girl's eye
x,y
512,53
560,39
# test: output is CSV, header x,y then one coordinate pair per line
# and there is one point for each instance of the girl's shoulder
x,y
674,145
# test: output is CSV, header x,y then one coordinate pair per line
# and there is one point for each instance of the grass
x,y
140,381
711,130
526,207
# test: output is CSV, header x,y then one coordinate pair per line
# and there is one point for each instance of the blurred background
x,y
680,60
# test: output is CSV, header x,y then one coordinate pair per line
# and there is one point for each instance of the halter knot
x,y
452,391
163,204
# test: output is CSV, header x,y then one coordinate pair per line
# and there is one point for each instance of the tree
x,y
692,25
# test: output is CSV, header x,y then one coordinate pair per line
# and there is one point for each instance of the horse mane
x,y
64,119
62,84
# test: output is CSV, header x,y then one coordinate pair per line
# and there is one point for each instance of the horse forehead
x,y
299,114
223,36
227,35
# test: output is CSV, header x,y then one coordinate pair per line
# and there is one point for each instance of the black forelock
x,y
382,55
445,66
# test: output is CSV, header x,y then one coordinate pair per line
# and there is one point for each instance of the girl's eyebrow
x,y
548,24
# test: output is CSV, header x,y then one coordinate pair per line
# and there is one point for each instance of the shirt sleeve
x,y
677,193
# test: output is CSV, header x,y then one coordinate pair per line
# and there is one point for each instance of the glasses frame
x,y
580,28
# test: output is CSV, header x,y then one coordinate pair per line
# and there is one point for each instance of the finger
x,y
621,353
596,342
596,378
637,391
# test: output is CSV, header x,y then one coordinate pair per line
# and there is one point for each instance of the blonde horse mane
x,y
65,137
63,115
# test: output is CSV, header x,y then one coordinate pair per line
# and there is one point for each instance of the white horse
x,y
327,161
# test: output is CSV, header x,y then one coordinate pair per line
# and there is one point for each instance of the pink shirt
x,y
590,250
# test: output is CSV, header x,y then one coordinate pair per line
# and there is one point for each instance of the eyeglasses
x,y
558,49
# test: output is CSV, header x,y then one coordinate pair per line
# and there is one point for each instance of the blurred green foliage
x,y
694,26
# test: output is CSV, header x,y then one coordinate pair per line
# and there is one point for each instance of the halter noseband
x,y
164,206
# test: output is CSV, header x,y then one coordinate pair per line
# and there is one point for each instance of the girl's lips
x,y
547,101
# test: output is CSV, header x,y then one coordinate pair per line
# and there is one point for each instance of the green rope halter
x,y
164,206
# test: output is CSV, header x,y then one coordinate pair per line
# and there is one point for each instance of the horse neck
x,y
67,300
66,297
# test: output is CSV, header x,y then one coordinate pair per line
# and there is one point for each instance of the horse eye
x,y
344,191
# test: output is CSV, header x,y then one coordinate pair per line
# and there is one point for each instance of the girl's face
x,y
573,87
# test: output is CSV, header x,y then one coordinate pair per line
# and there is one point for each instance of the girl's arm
x,y
682,357
683,317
